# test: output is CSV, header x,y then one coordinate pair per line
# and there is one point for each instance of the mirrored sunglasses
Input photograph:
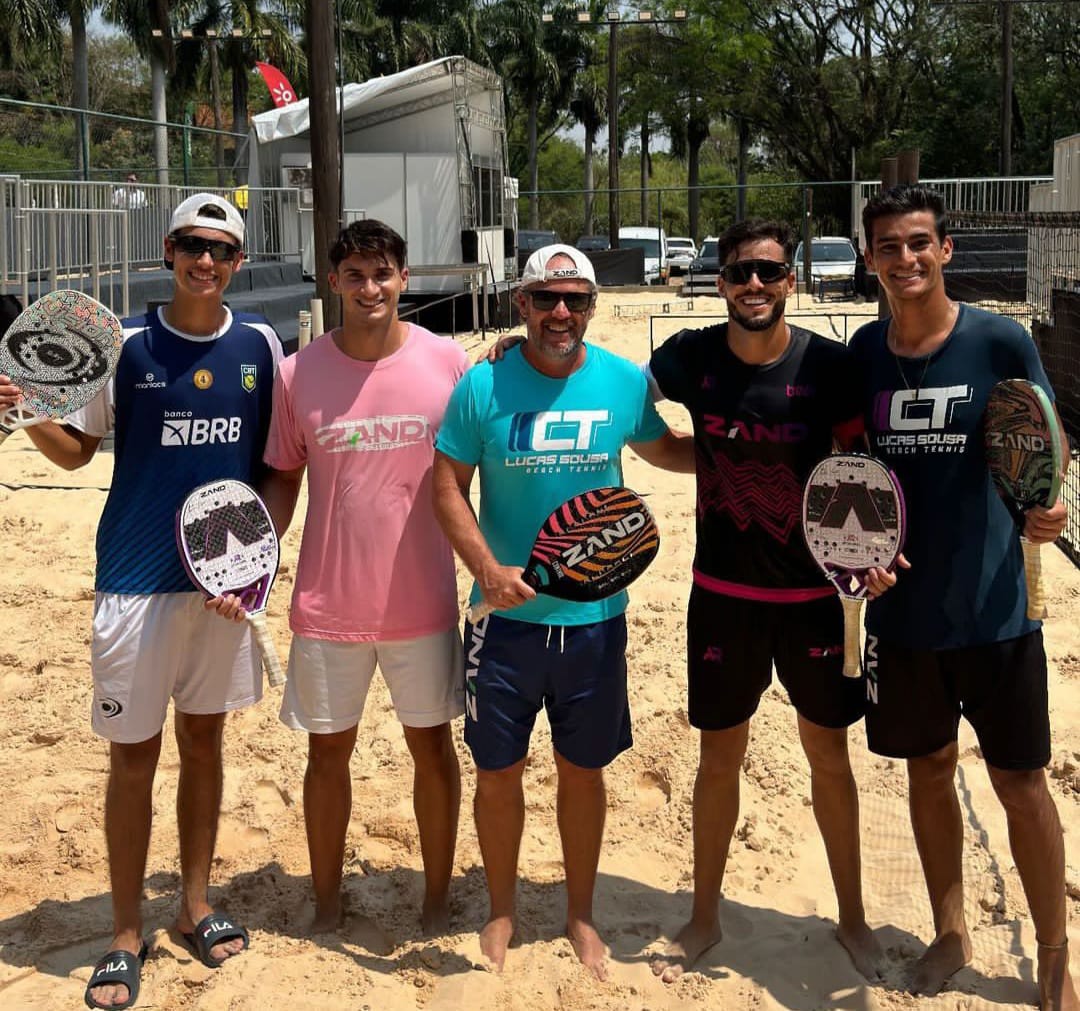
x,y
192,245
575,301
768,271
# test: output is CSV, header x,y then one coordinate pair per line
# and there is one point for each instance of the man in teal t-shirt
x,y
547,422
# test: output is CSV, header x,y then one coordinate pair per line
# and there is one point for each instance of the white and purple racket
x,y
61,352
228,545
853,520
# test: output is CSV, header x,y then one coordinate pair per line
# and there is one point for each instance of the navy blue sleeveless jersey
x,y
758,432
924,419
186,410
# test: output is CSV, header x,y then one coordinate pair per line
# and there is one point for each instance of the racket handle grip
x,y
479,611
852,621
275,673
1036,604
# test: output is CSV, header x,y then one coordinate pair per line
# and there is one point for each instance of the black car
x,y
593,243
530,240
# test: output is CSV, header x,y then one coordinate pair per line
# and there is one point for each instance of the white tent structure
x,y
425,151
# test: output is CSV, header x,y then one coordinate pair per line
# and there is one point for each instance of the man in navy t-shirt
x,y
952,638
190,403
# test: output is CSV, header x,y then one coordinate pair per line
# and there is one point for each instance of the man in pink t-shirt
x,y
358,409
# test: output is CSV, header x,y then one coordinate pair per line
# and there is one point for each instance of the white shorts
x,y
149,648
329,680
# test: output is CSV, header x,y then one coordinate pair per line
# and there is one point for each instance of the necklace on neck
x,y
903,375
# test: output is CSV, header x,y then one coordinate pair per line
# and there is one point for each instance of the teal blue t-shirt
x,y
538,441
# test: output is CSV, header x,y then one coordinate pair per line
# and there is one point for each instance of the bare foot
x,y
947,954
435,917
1056,989
862,946
115,994
327,918
495,939
689,945
589,947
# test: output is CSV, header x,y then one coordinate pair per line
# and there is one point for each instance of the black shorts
x,y
732,644
915,699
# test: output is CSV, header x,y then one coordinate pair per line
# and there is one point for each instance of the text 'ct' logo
x,y
200,431
552,431
922,410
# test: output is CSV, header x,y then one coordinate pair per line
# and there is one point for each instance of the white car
x,y
832,266
681,253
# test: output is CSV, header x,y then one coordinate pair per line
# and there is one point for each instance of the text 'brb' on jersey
x,y
758,432
186,410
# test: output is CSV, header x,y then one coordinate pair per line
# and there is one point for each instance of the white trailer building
x,y
424,151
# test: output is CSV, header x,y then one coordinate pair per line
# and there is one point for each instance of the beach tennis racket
x,y
61,352
592,546
1023,450
853,520
228,545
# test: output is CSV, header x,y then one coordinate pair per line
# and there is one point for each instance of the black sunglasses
x,y
575,301
768,271
192,245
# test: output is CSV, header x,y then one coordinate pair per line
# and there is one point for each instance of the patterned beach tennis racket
x,y
61,352
853,519
1023,450
592,546
228,545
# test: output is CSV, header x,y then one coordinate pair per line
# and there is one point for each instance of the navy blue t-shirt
x,y
758,432
924,419
186,410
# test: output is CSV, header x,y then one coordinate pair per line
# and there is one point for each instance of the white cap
x,y
537,271
208,210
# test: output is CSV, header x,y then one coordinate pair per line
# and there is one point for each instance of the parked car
x,y
707,260
681,253
654,243
832,266
530,240
593,243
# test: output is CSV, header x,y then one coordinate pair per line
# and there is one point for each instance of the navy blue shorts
x,y
733,644
915,699
577,673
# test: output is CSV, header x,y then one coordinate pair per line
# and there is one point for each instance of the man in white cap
x,y
547,422
190,403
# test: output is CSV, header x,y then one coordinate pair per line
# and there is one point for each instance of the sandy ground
x,y
779,911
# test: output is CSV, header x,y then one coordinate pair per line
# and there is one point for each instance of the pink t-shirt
x,y
374,564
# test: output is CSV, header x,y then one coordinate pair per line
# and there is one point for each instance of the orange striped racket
x,y
592,546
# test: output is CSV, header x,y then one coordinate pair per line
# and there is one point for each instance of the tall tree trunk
x,y
80,79
215,97
645,169
534,168
590,141
740,173
325,151
159,115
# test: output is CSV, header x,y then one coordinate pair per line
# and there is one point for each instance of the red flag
x,y
281,91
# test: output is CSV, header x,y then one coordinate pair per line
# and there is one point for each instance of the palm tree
x,y
148,23
589,107
538,62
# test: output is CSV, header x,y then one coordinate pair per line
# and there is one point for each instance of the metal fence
x,y
814,208
94,234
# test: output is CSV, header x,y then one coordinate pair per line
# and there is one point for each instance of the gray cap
x,y
208,210
537,271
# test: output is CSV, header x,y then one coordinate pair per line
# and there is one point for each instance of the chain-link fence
x,y
56,142
1027,266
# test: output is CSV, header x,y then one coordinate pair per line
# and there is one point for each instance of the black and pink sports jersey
x,y
186,410
758,432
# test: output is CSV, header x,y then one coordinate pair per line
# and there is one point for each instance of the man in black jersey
x,y
767,402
